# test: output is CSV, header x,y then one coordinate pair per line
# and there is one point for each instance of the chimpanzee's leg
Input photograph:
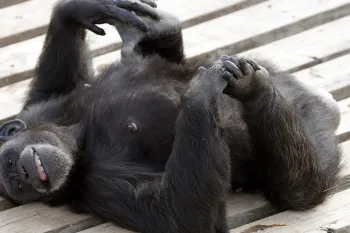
x,y
295,146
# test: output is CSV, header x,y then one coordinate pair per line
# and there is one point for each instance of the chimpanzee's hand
x,y
88,13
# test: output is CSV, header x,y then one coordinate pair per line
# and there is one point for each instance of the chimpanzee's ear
x,y
11,128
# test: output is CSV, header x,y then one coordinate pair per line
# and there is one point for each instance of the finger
x,y
129,16
150,2
140,8
97,20
137,20
232,68
228,76
92,27
262,72
246,67
253,63
234,59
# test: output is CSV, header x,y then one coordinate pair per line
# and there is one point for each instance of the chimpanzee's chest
x,y
137,120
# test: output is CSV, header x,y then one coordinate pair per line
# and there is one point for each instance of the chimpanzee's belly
x,y
139,119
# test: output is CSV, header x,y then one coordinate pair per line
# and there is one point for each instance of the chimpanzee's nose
x,y
24,174
28,169
23,164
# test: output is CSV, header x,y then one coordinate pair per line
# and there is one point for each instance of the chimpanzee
x,y
154,142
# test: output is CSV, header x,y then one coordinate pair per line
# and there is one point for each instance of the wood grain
x,y
39,218
337,208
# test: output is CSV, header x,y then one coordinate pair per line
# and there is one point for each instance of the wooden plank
x,y
345,104
337,208
18,60
199,11
334,76
293,53
11,99
261,24
343,130
243,208
308,48
296,52
344,181
25,20
339,226
37,217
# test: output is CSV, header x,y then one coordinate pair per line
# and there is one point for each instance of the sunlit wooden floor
x,y
310,38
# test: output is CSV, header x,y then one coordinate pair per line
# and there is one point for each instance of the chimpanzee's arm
x,y
63,62
163,36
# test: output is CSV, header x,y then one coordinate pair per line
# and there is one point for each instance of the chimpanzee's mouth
x,y
39,168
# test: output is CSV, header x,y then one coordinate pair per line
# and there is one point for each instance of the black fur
x,y
151,143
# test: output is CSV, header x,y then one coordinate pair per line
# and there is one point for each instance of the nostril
x,y
24,171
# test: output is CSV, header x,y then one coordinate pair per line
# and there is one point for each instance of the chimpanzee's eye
x,y
20,187
10,161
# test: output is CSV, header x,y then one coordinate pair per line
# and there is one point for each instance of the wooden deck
x,y
310,38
